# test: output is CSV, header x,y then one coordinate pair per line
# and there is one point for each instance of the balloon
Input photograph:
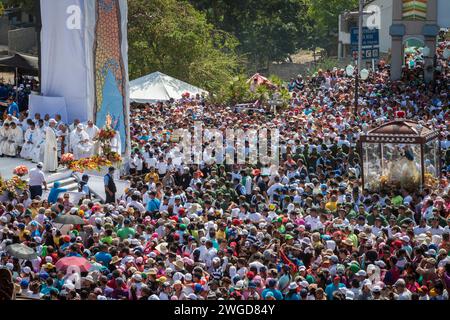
x,y
349,70
364,74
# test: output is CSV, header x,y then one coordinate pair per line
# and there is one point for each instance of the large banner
x,y
47,105
85,60
111,67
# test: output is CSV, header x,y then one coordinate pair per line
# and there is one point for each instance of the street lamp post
x,y
358,59
360,40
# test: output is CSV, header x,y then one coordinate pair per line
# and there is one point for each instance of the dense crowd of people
x,y
306,230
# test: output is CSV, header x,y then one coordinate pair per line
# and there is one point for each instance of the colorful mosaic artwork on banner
x,y
110,72
415,9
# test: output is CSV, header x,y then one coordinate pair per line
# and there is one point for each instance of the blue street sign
x,y
371,37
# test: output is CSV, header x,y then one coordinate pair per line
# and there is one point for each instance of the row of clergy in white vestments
x,y
45,141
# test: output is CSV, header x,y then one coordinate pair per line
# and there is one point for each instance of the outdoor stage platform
x,y
66,177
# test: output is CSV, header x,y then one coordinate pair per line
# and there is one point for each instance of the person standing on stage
x,y
37,180
110,186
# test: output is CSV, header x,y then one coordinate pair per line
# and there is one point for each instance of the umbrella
x,y
21,251
79,262
97,267
69,219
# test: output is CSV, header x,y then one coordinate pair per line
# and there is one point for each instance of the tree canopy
x,y
207,42
172,37
323,16
267,30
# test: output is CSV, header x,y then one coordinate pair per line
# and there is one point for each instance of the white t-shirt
x,y
151,162
162,167
437,231
37,177
418,230
405,295
255,216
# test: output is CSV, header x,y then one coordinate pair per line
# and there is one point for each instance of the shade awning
x,y
24,63
158,86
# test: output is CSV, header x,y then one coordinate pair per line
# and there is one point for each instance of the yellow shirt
x,y
332,206
154,175
34,212
220,234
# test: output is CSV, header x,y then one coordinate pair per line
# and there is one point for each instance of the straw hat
x,y
115,259
162,248
179,264
348,242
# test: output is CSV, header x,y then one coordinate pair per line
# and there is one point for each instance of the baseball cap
x,y
376,289
349,295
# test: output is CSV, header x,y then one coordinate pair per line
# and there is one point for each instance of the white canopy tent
x,y
158,86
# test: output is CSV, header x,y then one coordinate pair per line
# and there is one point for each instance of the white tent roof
x,y
158,86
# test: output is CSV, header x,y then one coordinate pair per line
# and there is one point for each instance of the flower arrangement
x,y
67,158
92,163
20,171
15,184
97,162
114,157
106,134
18,183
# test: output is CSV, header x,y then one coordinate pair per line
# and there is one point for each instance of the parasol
x,y
21,251
69,219
79,262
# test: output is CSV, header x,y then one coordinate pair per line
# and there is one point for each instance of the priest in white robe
x,y
80,143
51,147
116,143
38,152
31,141
4,136
92,130
15,139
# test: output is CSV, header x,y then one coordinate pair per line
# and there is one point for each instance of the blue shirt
x,y
3,92
103,257
331,288
276,293
54,192
13,107
153,205
294,296
106,180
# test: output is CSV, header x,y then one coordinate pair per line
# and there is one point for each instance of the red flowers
x,y
106,134
20,171
67,158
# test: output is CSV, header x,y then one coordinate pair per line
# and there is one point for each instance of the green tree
x,y
268,30
323,21
173,37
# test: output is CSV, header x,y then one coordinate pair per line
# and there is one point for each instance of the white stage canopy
x,y
158,86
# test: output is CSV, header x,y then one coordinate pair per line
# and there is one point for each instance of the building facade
x,y
400,22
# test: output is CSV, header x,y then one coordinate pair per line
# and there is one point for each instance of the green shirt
x,y
397,200
354,238
310,279
107,239
371,219
125,232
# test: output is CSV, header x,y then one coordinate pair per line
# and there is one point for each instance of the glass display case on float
x,y
400,154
